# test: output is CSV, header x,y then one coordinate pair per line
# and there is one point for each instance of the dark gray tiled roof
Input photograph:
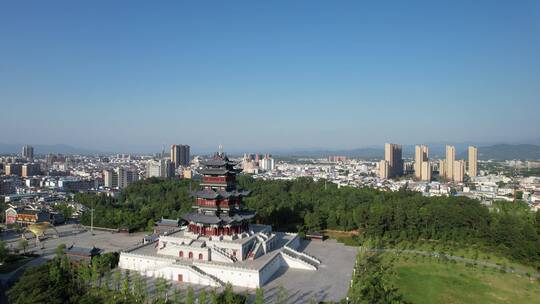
x,y
206,194
83,251
216,171
202,218
168,222
222,219
216,194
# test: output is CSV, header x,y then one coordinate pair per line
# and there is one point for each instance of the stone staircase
x,y
293,254
305,255
252,250
207,275
224,254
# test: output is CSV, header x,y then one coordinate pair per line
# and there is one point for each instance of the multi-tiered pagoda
x,y
219,209
219,245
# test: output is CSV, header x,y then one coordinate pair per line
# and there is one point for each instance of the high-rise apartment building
x,y
384,169
442,168
30,170
28,152
450,159
185,155
473,161
126,177
267,163
426,171
13,169
162,168
175,155
459,171
337,158
393,155
119,177
110,178
421,156
180,155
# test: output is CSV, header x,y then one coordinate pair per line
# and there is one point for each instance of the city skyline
x,y
279,151
303,75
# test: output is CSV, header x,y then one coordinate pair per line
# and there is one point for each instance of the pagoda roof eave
x,y
216,220
219,194
210,171
206,194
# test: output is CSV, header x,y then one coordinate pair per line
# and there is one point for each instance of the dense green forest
x,y
302,205
139,204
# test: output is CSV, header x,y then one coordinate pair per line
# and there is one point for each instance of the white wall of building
x,y
243,277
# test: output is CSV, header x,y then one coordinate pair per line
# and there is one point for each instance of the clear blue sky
x,y
255,75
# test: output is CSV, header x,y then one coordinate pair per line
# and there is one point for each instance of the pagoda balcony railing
x,y
219,179
215,204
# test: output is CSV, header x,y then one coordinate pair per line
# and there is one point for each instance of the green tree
x,y
60,250
214,299
126,283
177,296
23,245
537,221
190,295
117,277
161,287
202,296
65,209
96,278
228,294
259,296
372,281
139,287
150,225
36,281
107,280
4,253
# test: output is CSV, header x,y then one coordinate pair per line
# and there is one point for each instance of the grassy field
x,y
474,252
429,281
424,279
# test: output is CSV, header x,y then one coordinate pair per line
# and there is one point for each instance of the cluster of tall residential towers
x,y
449,168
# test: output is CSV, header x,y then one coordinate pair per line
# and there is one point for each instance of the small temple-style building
x,y
219,244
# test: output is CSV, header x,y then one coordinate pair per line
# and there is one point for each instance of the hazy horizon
x,y
15,148
267,76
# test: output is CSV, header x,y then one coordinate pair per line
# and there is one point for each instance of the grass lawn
x,y
429,281
471,252
12,265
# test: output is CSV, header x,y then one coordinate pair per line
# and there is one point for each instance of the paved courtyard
x,y
329,283
68,235
71,235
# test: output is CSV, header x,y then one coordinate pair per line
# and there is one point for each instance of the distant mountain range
x,y
495,152
506,151
46,149
436,150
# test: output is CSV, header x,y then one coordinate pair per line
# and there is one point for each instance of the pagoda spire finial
x,y
220,149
